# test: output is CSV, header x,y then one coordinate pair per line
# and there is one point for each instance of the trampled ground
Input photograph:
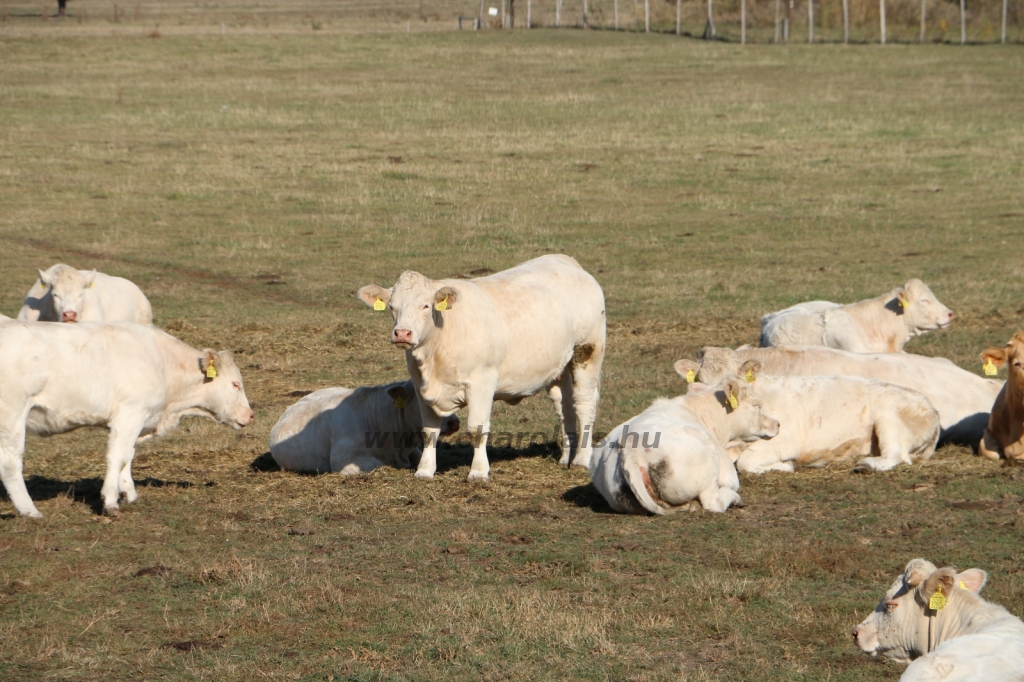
x,y
251,182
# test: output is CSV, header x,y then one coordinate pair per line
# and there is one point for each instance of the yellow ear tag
x,y
902,301
750,376
963,586
90,284
442,305
211,371
733,403
937,602
989,367
400,402
691,376
379,305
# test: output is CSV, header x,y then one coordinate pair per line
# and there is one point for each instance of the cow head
x,y
712,365
898,627
1012,355
921,310
67,289
223,394
405,400
745,419
417,304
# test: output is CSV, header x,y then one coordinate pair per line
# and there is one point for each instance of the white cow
x,y
537,326
64,294
826,419
674,451
935,620
135,380
876,325
962,399
351,431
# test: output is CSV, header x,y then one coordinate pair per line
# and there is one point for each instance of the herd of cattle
x,y
830,382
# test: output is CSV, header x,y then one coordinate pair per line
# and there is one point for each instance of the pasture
x,y
250,182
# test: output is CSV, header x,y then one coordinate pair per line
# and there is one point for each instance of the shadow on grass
x,y
85,490
449,456
587,497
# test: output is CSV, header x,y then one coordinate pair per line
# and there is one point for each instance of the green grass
x,y
251,183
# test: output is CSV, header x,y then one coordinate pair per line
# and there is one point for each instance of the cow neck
x,y
380,414
710,413
185,382
955,620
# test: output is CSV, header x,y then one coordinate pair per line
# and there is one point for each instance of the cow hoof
x,y
34,514
112,511
425,475
862,469
476,476
579,463
564,462
739,503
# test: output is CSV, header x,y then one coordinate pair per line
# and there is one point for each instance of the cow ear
x,y
903,297
696,388
374,296
996,356
749,370
972,579
688,369
916,571
445,298
732,389
90,277
44,279
208,363
942,581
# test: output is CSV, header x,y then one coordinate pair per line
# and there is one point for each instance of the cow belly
x,y
854,447
43,421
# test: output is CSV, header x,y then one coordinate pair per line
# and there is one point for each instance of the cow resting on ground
x,y
935,620
351,431
674,451
877,325
1004,436
64,294
135,380
962,399
824,419
537,326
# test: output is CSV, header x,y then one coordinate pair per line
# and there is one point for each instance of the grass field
x,y
251,182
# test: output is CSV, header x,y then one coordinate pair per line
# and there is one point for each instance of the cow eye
x,y
426,306
235,385
891,606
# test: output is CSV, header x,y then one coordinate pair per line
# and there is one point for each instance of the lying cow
x,y
351,431
825,419
674,451
877,325
64,294
935,620
538,326
135,380
962,399
1004,436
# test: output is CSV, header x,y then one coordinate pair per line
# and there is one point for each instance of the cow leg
x,y
760,457
431,432
560,393
989,447
586,379
480,399
894,442
12,452
720,499
120,451
360,464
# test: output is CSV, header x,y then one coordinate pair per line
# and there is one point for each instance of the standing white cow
x,y
962,399
351,431
934,620
64,294
826,419
876,325
537,326
135,380
677,452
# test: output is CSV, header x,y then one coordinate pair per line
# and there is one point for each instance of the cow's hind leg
x,y
12,452
989,447
561,396
894,443
720,499
586,379
120,451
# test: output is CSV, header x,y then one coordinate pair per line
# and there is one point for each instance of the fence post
x,y
1004,22
616,15
480,17
963,23
743,22
923,9
558,13
647,16
881,17
846,21
679,17
810,21
529,13
709,28
776,40
585,14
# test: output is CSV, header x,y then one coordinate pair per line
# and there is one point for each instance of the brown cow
x,y
1004,436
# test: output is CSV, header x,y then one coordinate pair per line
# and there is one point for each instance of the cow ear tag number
x,y
938,601
211,371
378,305
733,403
690,376
990,368
750,376
400,402
442,305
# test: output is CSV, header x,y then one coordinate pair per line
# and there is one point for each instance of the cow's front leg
x,y
12,453
431,432
480,399
120,451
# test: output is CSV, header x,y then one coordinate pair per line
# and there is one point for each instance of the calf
x,y
537,326
132,379
677,452
64,294
1004,436
934,620
351,431
962,399
831,418
876,325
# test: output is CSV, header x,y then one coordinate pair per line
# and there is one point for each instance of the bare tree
x,y
558,13
881,17
923,8
963,23
846,21
679,17
647,16
743,22
1004,22
777,14
709,28
616,15
585,14
810,21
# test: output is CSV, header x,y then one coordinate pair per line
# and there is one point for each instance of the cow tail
x,y
639,479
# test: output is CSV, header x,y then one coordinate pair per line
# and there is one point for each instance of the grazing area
x,y
250,183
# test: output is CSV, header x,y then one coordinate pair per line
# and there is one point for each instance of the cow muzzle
x,y
402,338
69,316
